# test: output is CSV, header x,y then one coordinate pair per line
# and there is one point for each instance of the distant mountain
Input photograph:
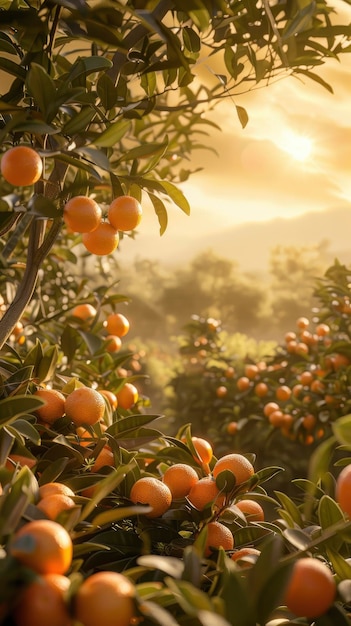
x,y
249,244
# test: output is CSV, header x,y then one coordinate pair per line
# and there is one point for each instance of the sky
x,y
292,157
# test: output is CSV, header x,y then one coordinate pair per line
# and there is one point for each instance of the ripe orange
x,y
82,214
117,324
110,397
238,464
42,601
44,546
48,489
261,389
128,396
218,536
309,422
125,213
103,240
152,491
276,418
283,393
243,383
85,406
322,330
54,504
306,378
269,408
204,492
203,449
251,509
251,370
105,457
232,428
84,311
105,598
54,407
343,489
221,391
241,553
302,323
113,343
180,477
311,589
21,166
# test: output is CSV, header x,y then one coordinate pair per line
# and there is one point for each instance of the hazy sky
x,y
293,156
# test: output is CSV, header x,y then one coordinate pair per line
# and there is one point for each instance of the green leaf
x,y
79,122
190,599
342,430
42,89
9,67
329,513
290,507
170,565
42,205
15,406
176,196
242,115
113,134
341,567
315,77
88,65
160,211
300,22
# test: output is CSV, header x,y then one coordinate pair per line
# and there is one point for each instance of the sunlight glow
x,y
298,146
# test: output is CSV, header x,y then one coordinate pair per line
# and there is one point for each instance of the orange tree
x,y
291,397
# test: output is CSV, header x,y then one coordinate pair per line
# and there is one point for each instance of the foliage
x,y
224,394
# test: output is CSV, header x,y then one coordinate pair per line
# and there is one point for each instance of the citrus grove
x,y
104,518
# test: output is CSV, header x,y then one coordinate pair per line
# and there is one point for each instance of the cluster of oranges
x,y
82,214
45,548
22,166
203,489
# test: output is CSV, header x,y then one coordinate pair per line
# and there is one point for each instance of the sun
x,y
299,147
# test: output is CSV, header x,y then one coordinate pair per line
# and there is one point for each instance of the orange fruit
x,y
110,397
269,408
243,383
221,391
276,418
238,464
82,214
103,240
128,396
261,389
251,370
311,589
105,598
125,213
84,311
302,323
218,536
21,166
54,407
251,509
151,491
309,421
232,428
283,393
203,449
180,477
44,546
117,324
343,489
241,553
105,457
42,601
54,504
322,330
49,489
85,406
113,343
204,492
